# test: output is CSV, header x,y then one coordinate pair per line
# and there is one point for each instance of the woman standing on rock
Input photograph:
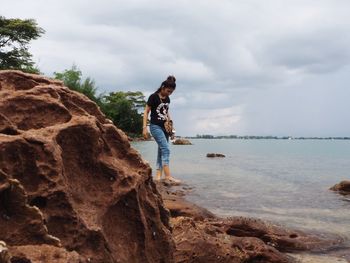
x,y
158,105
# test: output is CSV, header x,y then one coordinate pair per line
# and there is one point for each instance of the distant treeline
x,y
208,136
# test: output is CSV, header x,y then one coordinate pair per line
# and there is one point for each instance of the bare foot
x,y
157,178
158,175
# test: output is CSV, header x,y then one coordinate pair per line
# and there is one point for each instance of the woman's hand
x,y
145,133
145,118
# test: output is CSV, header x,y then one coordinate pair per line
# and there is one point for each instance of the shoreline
x,y
283,244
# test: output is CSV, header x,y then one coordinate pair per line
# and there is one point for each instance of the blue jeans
x,y
163,145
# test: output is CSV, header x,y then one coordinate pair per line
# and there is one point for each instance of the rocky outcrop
x,y
178,206
182,142
200,236
71,187
343,187
204,241
21,222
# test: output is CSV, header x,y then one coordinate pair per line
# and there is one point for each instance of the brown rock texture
x,y
205,241
202,237
177,205
343,187
71,187
45,253
182,142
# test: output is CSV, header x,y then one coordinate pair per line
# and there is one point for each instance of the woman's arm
x,y
145,118
169,118
145,115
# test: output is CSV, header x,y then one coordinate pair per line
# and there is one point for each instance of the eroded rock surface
x,y
204,241
200,236
173,194
71,187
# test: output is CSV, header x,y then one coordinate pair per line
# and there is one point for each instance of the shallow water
x,y
304,258
283,181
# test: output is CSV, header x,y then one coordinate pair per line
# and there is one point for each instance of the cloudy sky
x,y
245,67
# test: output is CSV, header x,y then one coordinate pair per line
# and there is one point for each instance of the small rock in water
x,y
343,187
211,155
182,142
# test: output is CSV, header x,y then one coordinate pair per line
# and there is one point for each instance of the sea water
x,y
283,181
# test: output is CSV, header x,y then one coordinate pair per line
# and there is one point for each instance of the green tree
x,y
72,78
123,109
15,35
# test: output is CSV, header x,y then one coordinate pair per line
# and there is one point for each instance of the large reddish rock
x,y
200,241
71,187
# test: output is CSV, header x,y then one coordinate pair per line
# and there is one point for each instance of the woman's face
x,y
166,91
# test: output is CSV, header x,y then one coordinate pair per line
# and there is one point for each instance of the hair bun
x,y
171,78
170,82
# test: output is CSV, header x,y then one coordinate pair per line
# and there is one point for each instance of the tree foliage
x,y
15,35
123,108
72,78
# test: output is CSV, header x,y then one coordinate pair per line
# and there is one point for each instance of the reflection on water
x,y
284,181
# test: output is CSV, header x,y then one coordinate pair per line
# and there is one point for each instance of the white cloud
x,y
212,121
